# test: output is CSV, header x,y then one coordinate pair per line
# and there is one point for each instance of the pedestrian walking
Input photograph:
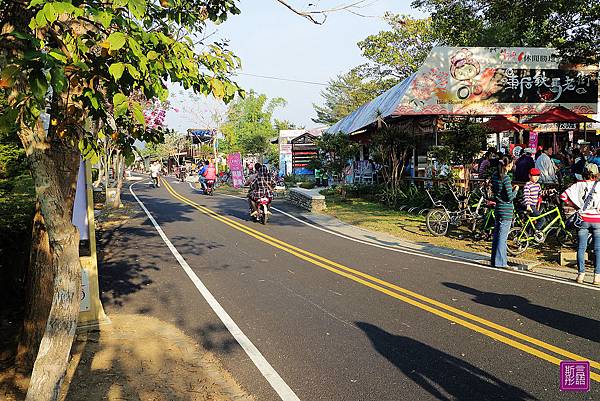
x,y
504,195
585,196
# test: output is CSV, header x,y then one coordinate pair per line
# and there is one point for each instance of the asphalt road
x,y
340,320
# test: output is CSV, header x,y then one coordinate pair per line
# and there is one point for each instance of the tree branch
x,y
313,16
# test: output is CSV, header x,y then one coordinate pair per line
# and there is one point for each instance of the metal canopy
x,y
381,107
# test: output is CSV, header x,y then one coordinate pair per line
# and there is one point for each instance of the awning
x,y
502,123
201,135
381,107
560,114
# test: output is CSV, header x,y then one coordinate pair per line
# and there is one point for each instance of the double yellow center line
x,y
430,305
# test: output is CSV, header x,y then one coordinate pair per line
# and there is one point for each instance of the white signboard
x,y
85,292
496,80
80,217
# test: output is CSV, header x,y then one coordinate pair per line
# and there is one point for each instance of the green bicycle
x,y
483,228
519,238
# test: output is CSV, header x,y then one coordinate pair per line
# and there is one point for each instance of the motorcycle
x,y
209,188
154,180
263,206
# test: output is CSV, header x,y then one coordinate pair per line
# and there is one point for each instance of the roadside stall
x,y
476,83
561,115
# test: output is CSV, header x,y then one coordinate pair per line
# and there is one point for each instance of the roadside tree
x,y
399,52
573,27
335,150
67,66
249,127
464,143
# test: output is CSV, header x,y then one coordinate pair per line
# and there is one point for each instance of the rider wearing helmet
x,y
261,187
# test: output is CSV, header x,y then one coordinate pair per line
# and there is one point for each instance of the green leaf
x,y
137,8
135,47
58,55
116,40
49,12
152,55
217,88
40,19
230,89
119,3
38,84
105,18
62,7
32,24
120,103
116,70
90,94
36,3
138,113
133,72
58,80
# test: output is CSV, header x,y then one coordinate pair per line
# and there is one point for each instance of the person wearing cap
x,y
585,196
523,165
531,195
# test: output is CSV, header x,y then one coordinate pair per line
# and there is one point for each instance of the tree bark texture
x,y
54,166
119,169
39,288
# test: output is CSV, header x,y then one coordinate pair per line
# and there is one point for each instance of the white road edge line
x,y
265,368
424,255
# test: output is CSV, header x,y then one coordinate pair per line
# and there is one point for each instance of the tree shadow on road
x,y
125,256
580,326
443,376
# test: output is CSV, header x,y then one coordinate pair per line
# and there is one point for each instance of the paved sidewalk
x,y
382,239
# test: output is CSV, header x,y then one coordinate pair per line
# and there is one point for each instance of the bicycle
x,y
520,238
484,228
439,218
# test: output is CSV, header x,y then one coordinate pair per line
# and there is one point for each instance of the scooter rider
x,y
154,172
201,178
261,187
210,173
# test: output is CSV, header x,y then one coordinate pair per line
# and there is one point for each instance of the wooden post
x,y
91,312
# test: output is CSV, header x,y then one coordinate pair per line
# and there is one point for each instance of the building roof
x,y
381,107
482,81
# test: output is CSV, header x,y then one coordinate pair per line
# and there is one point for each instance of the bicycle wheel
x,y
566,238
438,222
516,246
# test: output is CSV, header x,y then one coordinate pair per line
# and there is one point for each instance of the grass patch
x,y
377,217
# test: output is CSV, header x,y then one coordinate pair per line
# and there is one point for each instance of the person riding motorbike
x,y
261,187
154,172
201,172
210,174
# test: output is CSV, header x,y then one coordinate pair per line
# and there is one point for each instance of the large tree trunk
x,y
39,290
54,165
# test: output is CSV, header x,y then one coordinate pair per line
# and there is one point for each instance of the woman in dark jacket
x,y
504,194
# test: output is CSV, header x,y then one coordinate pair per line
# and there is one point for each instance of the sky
x,y
273,41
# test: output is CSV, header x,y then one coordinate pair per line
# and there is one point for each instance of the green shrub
x,y
307,184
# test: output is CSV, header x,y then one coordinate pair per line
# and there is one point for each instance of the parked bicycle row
x,y
516,218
